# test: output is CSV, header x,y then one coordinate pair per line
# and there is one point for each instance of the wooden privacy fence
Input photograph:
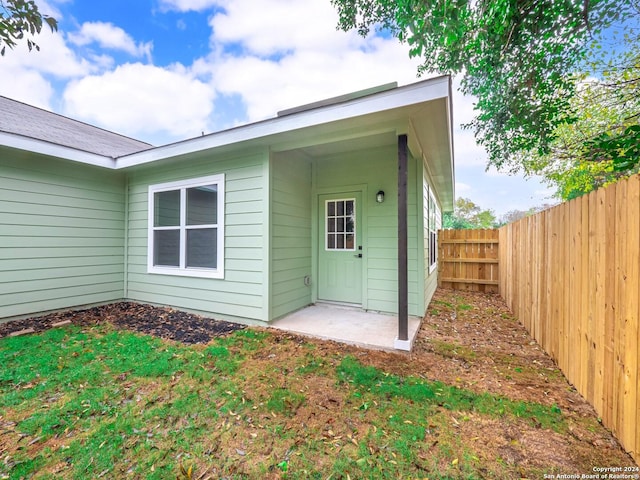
x,y
571,275
468,260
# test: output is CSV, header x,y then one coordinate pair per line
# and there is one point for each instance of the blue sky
x,y
166,70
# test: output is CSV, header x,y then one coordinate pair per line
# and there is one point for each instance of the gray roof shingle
x,y
21,119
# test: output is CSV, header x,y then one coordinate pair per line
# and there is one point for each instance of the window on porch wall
x,y
434,223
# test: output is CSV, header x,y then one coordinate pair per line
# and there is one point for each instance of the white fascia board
x,y
58,151
407,95
451,146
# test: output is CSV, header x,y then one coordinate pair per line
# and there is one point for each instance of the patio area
x,y
349,325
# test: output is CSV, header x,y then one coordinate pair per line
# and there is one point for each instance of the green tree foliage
x,y
452,222
19,20
603,144
525,62
468,215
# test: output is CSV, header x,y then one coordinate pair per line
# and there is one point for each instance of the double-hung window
x,y
186,228
435,223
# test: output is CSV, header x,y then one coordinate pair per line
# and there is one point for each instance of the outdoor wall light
x,y
380,196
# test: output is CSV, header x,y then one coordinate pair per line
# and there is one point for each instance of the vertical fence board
x,y
610,305
630,350
545,220
600,304
556,333
584,299
563,253
619,318
592,282
526,258
571,274
576,305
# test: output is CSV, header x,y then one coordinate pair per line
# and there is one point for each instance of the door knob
x,y
359,255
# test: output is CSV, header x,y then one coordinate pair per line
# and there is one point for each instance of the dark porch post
x,y
403,320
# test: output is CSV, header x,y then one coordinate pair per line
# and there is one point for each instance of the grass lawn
x,y
98,402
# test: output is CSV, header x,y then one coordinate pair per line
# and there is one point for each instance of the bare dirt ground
x,y
470,340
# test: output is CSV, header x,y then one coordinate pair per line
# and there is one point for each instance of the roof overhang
x,y
421,110
34,145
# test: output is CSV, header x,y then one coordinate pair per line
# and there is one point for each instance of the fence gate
x,y
468,260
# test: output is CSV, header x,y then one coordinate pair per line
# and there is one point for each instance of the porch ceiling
x,y
351,145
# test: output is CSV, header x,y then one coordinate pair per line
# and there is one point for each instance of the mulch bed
x,y
161,322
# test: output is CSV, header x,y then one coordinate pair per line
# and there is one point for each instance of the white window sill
x,y
188,272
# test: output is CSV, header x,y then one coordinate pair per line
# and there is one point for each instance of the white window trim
x,y
183,185
433,212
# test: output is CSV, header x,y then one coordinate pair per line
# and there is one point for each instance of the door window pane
x,y
349,225
349,207
349,244
166,248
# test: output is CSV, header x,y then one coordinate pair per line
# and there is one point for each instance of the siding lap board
x,y
61,235
291,233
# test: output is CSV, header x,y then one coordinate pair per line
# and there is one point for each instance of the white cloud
x,y
50,9
494,172
143,101
109,36
467,151
464,111
545,193
30,72
462,188
186,5
267,27
54,58
28,87
268,86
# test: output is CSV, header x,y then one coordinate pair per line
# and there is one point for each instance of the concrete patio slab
x,y
348,325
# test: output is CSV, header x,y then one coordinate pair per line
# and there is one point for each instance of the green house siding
x,y
290,232
376,169
61,232
240,294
